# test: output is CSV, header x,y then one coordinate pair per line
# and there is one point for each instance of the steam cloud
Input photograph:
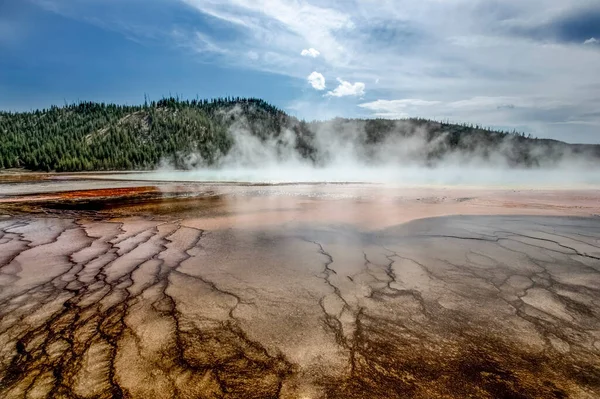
x,y
342,156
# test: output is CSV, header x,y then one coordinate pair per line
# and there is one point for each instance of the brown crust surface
x,y
208,292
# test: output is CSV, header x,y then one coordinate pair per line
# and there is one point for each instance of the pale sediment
x,y
302,296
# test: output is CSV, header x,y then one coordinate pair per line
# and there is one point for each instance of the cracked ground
x,y
263,296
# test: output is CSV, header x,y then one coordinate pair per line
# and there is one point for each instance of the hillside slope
x,y
186,134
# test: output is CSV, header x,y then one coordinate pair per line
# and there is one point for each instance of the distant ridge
x,y
91,136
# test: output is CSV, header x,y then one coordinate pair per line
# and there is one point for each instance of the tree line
x,y
89,136
95,136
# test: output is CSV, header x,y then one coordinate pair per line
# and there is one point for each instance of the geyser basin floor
x,y
299,292
474,175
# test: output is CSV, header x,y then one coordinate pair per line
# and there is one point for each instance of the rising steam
x,y
342,152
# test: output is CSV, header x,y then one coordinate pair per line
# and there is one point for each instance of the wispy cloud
x,y
348,89
591,40
316,80
282,25
205,44
503,111
395,108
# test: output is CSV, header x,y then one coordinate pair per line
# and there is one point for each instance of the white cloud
x,y
396,108
348,89
392,104
311,52
592,40
316,80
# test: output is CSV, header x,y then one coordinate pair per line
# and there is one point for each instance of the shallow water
x,y
448,176
299,291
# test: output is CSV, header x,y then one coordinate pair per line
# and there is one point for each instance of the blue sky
x,y
529,65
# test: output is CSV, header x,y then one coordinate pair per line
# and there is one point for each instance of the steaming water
x,y
396,161
416,176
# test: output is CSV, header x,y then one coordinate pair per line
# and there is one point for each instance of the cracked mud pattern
x,y
452,307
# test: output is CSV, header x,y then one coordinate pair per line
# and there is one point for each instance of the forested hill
x,y
94,136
